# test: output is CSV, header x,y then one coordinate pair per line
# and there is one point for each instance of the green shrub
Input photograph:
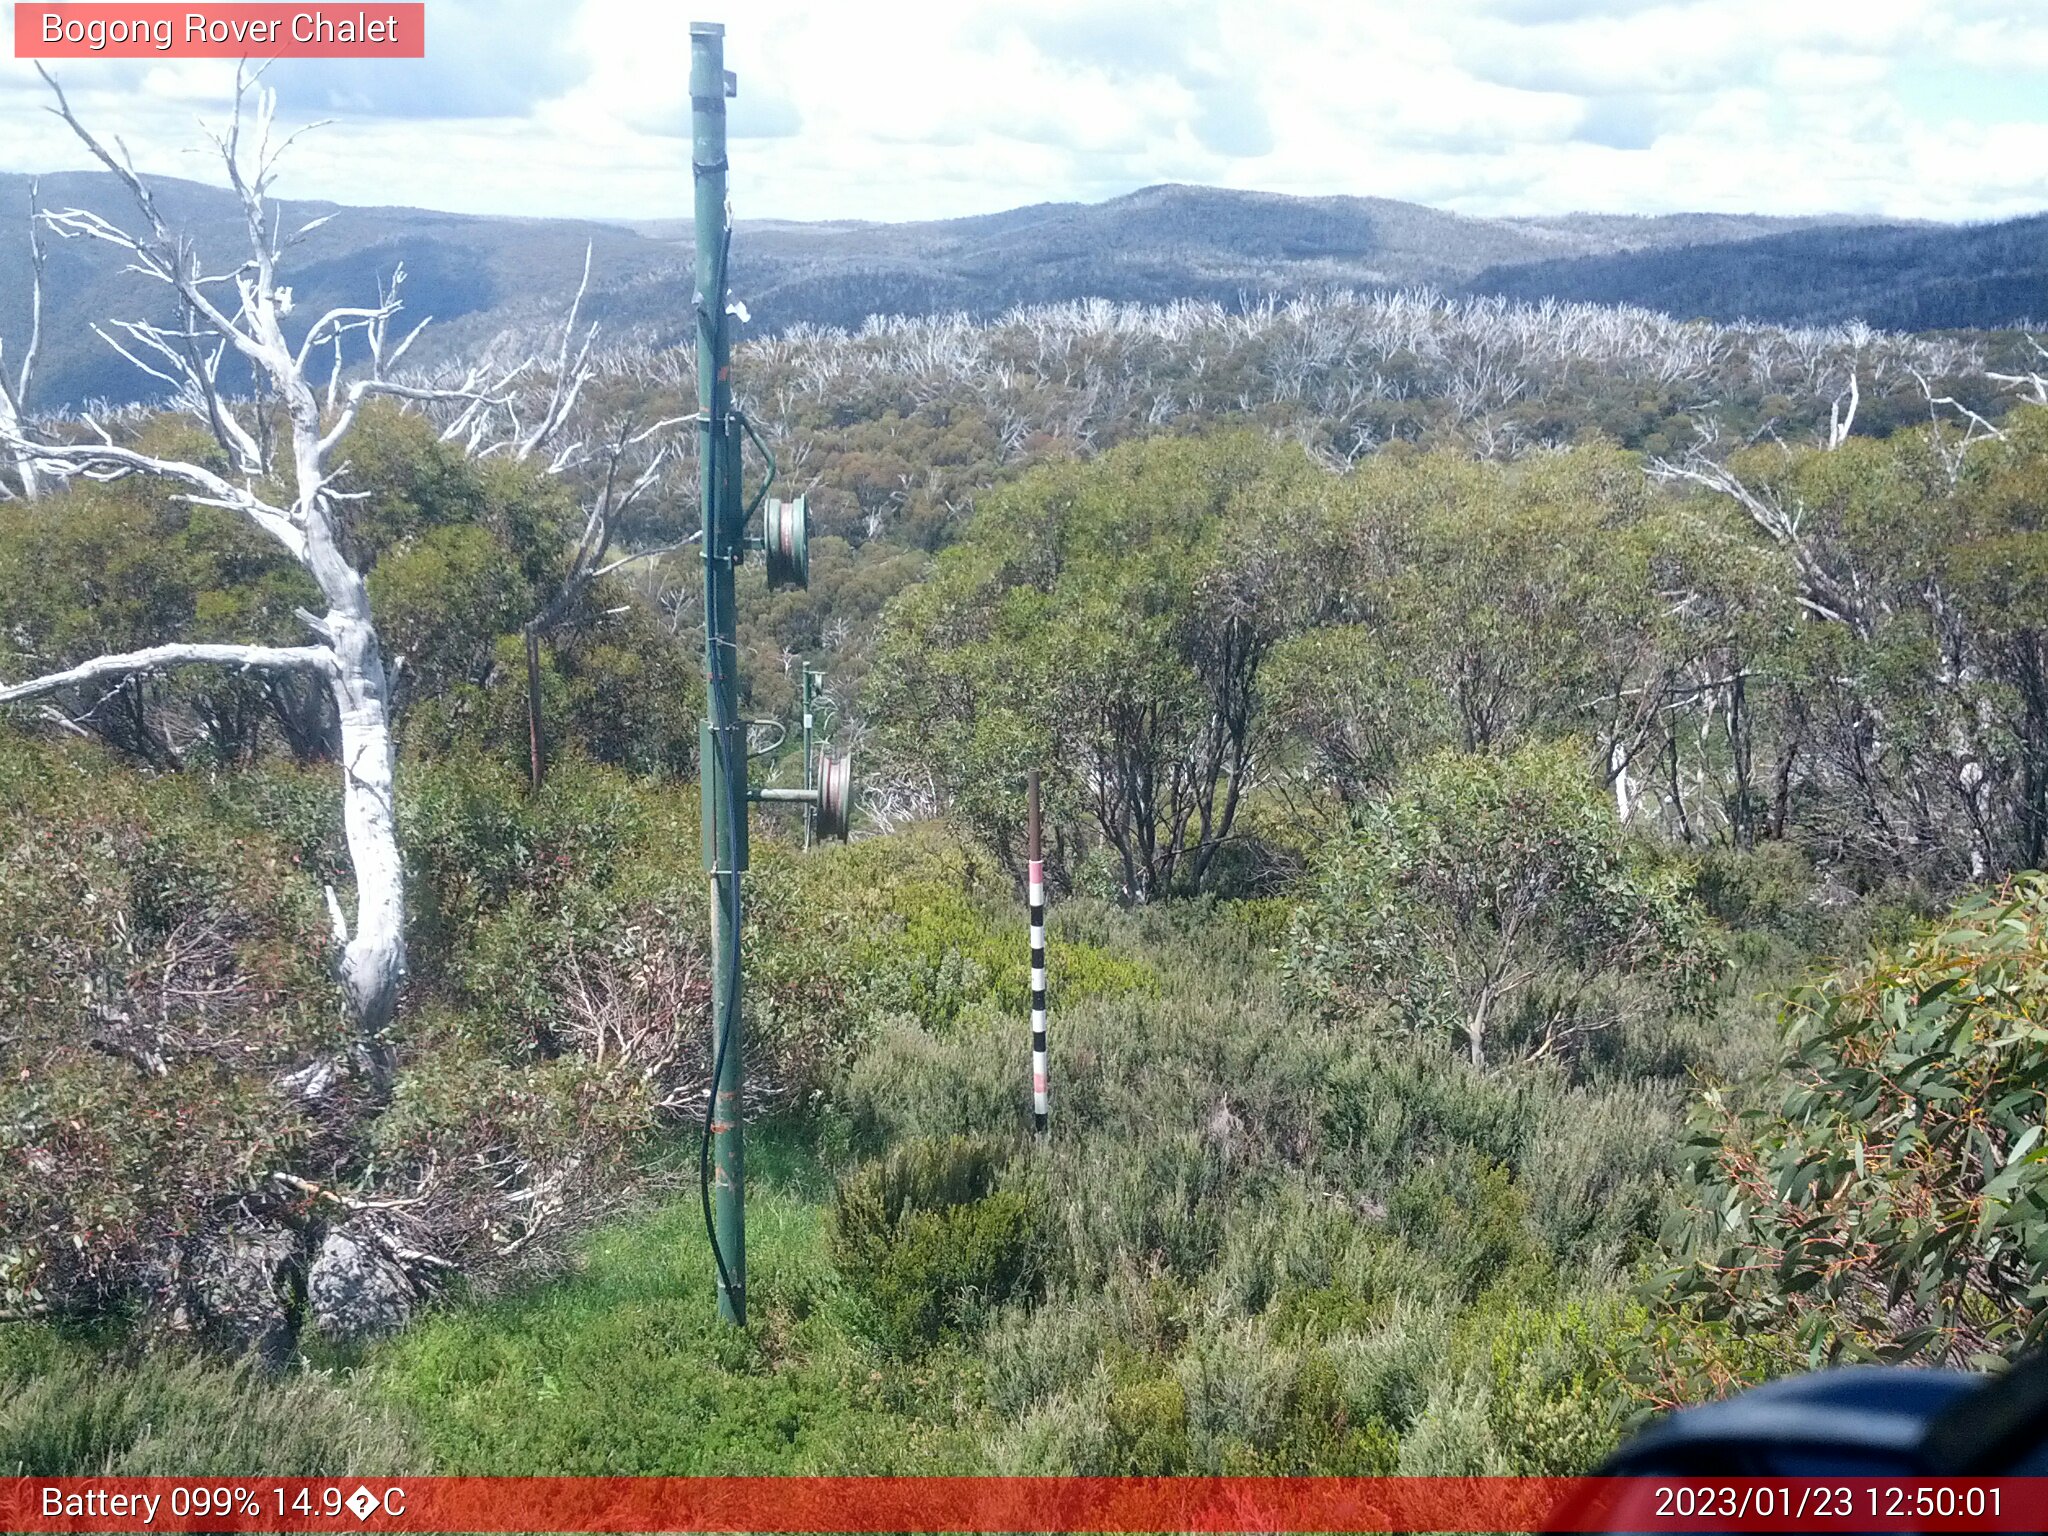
x,y
1031,1355
1497,901
1390,1372
1145,1429
1059,1435
1384,1107
1558,1399
1156,1201
1254,1409
1451,1436
1769,887
1319,1312
930,1242
475,838
299,807
1035,1354
1233,1376
1598,1167
909,1082
443,596
161,961
1318,1431
1472,1217
615,688
165,1416
916,925
1289,1244
1893,1204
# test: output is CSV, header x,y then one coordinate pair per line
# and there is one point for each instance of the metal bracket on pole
x,y
827,802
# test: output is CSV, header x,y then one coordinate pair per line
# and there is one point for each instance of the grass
x,y
1271,1244
86,1405
623,1368
1213,1307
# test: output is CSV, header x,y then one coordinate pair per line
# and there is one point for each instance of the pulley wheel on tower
x,y
786,540
835,797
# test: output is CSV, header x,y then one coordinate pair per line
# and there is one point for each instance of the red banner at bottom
x,y
994,1504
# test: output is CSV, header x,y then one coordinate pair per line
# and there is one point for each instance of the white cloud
x,y
917,108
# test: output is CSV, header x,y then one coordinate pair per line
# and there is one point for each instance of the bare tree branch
x,y
245,658
1976,429
110,461
1820,593
1841,420
569,377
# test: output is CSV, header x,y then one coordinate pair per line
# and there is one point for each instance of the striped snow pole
x,y
1040,1096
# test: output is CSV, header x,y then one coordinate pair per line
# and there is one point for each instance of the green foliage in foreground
x,y
1891,1202
1255,1242
624,1368
931,1243
67,1412
1260,1238
1252,1244
161,965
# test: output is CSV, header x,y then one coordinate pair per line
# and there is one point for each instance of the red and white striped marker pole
x,y
1041,1101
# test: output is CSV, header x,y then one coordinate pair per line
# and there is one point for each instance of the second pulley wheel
x,y
786,541
835,797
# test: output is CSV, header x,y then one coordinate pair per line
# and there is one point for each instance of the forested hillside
x,y
1909,279
479,276
1518,777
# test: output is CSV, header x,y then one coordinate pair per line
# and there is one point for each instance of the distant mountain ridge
x,y
1169,242
1900,277
479,276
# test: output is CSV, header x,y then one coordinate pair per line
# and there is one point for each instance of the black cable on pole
x,y
735,808
726,1024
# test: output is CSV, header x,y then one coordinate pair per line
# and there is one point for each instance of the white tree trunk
x,y
373,956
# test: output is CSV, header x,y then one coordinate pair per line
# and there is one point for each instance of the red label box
x,y
385,1506
110,29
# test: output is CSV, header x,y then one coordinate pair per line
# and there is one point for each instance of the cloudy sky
x,y
897,109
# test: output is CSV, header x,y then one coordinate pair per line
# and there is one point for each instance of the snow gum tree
x,y
284,473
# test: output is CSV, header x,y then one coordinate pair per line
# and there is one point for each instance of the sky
x,y
911,109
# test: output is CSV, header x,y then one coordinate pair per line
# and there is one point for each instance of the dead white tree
x,y
1953,451
14,393
572,373
632,462
1842,411
618,463
2033,384
286,485
1821,592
